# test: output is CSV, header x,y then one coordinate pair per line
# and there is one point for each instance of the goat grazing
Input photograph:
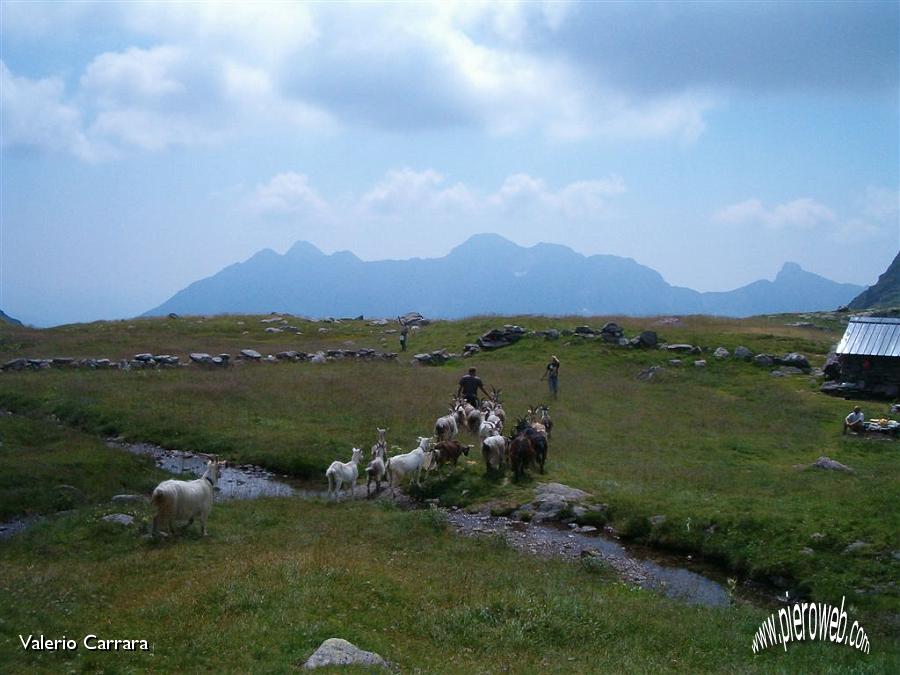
x,y
411,462
343,472
185,499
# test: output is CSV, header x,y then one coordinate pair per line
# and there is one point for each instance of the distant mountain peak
x,y
486,274
302,249
790,270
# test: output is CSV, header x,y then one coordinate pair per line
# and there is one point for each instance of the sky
x,y
146,145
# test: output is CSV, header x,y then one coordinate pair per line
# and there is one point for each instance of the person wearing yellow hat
x,y
552,375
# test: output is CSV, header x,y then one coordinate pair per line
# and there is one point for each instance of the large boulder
x,y
501,337
338,652
742,352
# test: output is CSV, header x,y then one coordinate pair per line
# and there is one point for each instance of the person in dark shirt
x,y
552,375
469,386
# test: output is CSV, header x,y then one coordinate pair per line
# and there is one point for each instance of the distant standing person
x,y
552,375
404,336
855,421
469,386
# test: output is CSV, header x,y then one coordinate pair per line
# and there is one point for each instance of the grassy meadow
x,y
718,450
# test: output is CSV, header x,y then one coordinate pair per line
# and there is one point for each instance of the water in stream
x,y
672,580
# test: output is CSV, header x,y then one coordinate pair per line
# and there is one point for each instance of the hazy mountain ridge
x,y
885,292
484,275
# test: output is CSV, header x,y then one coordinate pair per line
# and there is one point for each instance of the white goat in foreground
x,y
411,462
343,472
185,499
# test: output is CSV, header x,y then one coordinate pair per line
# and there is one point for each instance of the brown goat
x,y
449,451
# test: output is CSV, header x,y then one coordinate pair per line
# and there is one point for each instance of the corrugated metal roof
x,y
871,336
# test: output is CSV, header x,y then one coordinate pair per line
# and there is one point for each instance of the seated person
x,y
855,421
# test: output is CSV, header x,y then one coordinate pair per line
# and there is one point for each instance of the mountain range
x,y
486,274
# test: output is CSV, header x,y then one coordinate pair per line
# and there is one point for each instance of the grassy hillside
x,y
717,450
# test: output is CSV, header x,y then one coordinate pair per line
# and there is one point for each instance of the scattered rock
x,y
435,358
584,529
413,319
612,332
650,373
548,334
674,362
817,536
318,357
272,329
173,315
201,357
765,360
700,363
743,353
647,338
470,349
128,499
338,652
856,547
119,518
806,550
721,353
794,360
683,348
15,364
251,354
827,463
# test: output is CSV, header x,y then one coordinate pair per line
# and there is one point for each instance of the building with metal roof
x,y
869,354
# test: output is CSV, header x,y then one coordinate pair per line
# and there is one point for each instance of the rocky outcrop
x,y
501,337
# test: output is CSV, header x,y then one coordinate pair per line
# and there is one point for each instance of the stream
x,y
689,582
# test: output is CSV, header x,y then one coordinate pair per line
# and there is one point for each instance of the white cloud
x,y
35,115
419,199
288,194
803,213
216,72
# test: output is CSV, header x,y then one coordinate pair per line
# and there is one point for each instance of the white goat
x,y
185,499
488,429
343,472
411,462
376,469
445,428
493,449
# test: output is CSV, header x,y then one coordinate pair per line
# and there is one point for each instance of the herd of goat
x,y
524,447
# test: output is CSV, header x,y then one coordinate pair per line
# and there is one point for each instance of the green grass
x,y
276,577
45,468
715,450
